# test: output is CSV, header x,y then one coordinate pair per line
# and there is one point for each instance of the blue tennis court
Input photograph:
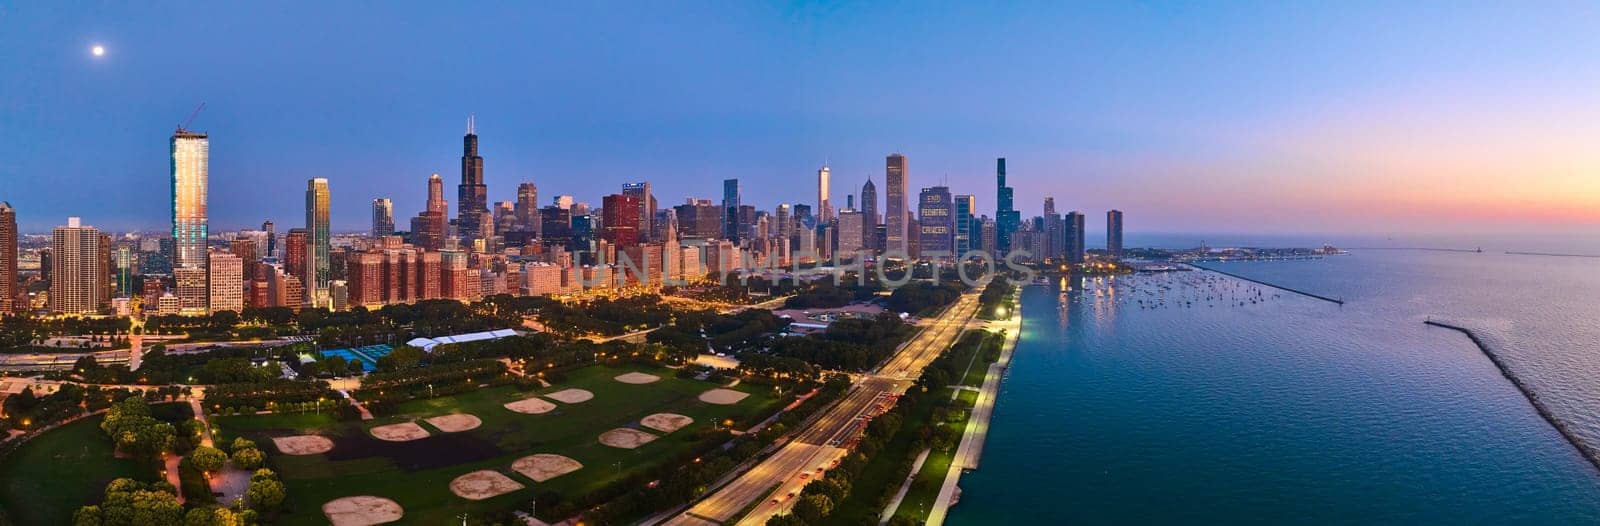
x,y
368,355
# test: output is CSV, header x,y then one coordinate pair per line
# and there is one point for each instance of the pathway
x,y
978,424
905,487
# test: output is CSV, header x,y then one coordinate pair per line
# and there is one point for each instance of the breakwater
x,y
1552,254
1273,285
1589,452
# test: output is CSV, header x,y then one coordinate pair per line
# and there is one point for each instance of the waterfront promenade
x,y
972,440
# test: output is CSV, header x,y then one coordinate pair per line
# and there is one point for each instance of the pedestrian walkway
x,y
365,414
905,487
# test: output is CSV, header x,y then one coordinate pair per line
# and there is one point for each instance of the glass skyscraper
x,y
190,172
321,242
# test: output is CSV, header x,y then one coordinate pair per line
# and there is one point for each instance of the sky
x,y
1267,118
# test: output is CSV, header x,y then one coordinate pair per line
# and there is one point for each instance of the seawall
x,y
1273,285
1590,453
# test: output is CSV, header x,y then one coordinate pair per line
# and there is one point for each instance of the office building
x,y
620,220
382,217
472,197
869,216
1074,237
527,208
849,238
640,191
894,206
730,209
936,226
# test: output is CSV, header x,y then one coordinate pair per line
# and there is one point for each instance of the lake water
x,y
1193,398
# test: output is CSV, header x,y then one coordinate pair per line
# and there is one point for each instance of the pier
x,y
1588,452
1273,285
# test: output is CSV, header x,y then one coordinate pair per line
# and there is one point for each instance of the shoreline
x,y
970,450
1584,449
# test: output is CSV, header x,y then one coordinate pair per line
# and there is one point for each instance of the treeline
x,y
996,295
244,398
597,316
849,344
693,330
924,298
157,367
24,331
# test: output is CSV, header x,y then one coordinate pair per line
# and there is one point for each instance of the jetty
x,y
1588,452
1273,285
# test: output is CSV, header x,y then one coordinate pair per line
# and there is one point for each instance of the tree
x,y
208,459
785,520
813,508
242,443
248,458
212,516
87,516
265,495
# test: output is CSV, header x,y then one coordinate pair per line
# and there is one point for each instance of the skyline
x,y
1372,122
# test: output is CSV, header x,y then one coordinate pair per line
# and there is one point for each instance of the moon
x,y
98,50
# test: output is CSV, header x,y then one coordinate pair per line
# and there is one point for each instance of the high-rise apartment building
x,y
226,280
295,247
272,238
472,197
8,259
190,173
319,247
894,206
80,279
1114,233
1074,237
382,217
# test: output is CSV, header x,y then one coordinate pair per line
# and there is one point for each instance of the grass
x,y
883,474
570,430
927,483
47,479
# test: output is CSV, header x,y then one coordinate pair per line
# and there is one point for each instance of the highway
x,y
826,439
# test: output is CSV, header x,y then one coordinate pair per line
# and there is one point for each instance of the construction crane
x,y
196,113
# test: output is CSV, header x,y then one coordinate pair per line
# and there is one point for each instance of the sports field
x,y
389,457
48,478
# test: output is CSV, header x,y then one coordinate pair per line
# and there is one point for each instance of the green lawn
x,y
925,486
570,430
48,478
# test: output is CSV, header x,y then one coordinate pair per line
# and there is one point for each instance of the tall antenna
x,y
472,124
192,115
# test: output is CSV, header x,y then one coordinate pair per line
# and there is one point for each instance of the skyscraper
x,y
382,217
1006,217
824,207
934,224
272,237
894,207
850,235
620,220
640,191
319,246
79,281
527,208
190,172
1074,237
428,229
869,216
1114,233
964,224
8,259
730,209
472,198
